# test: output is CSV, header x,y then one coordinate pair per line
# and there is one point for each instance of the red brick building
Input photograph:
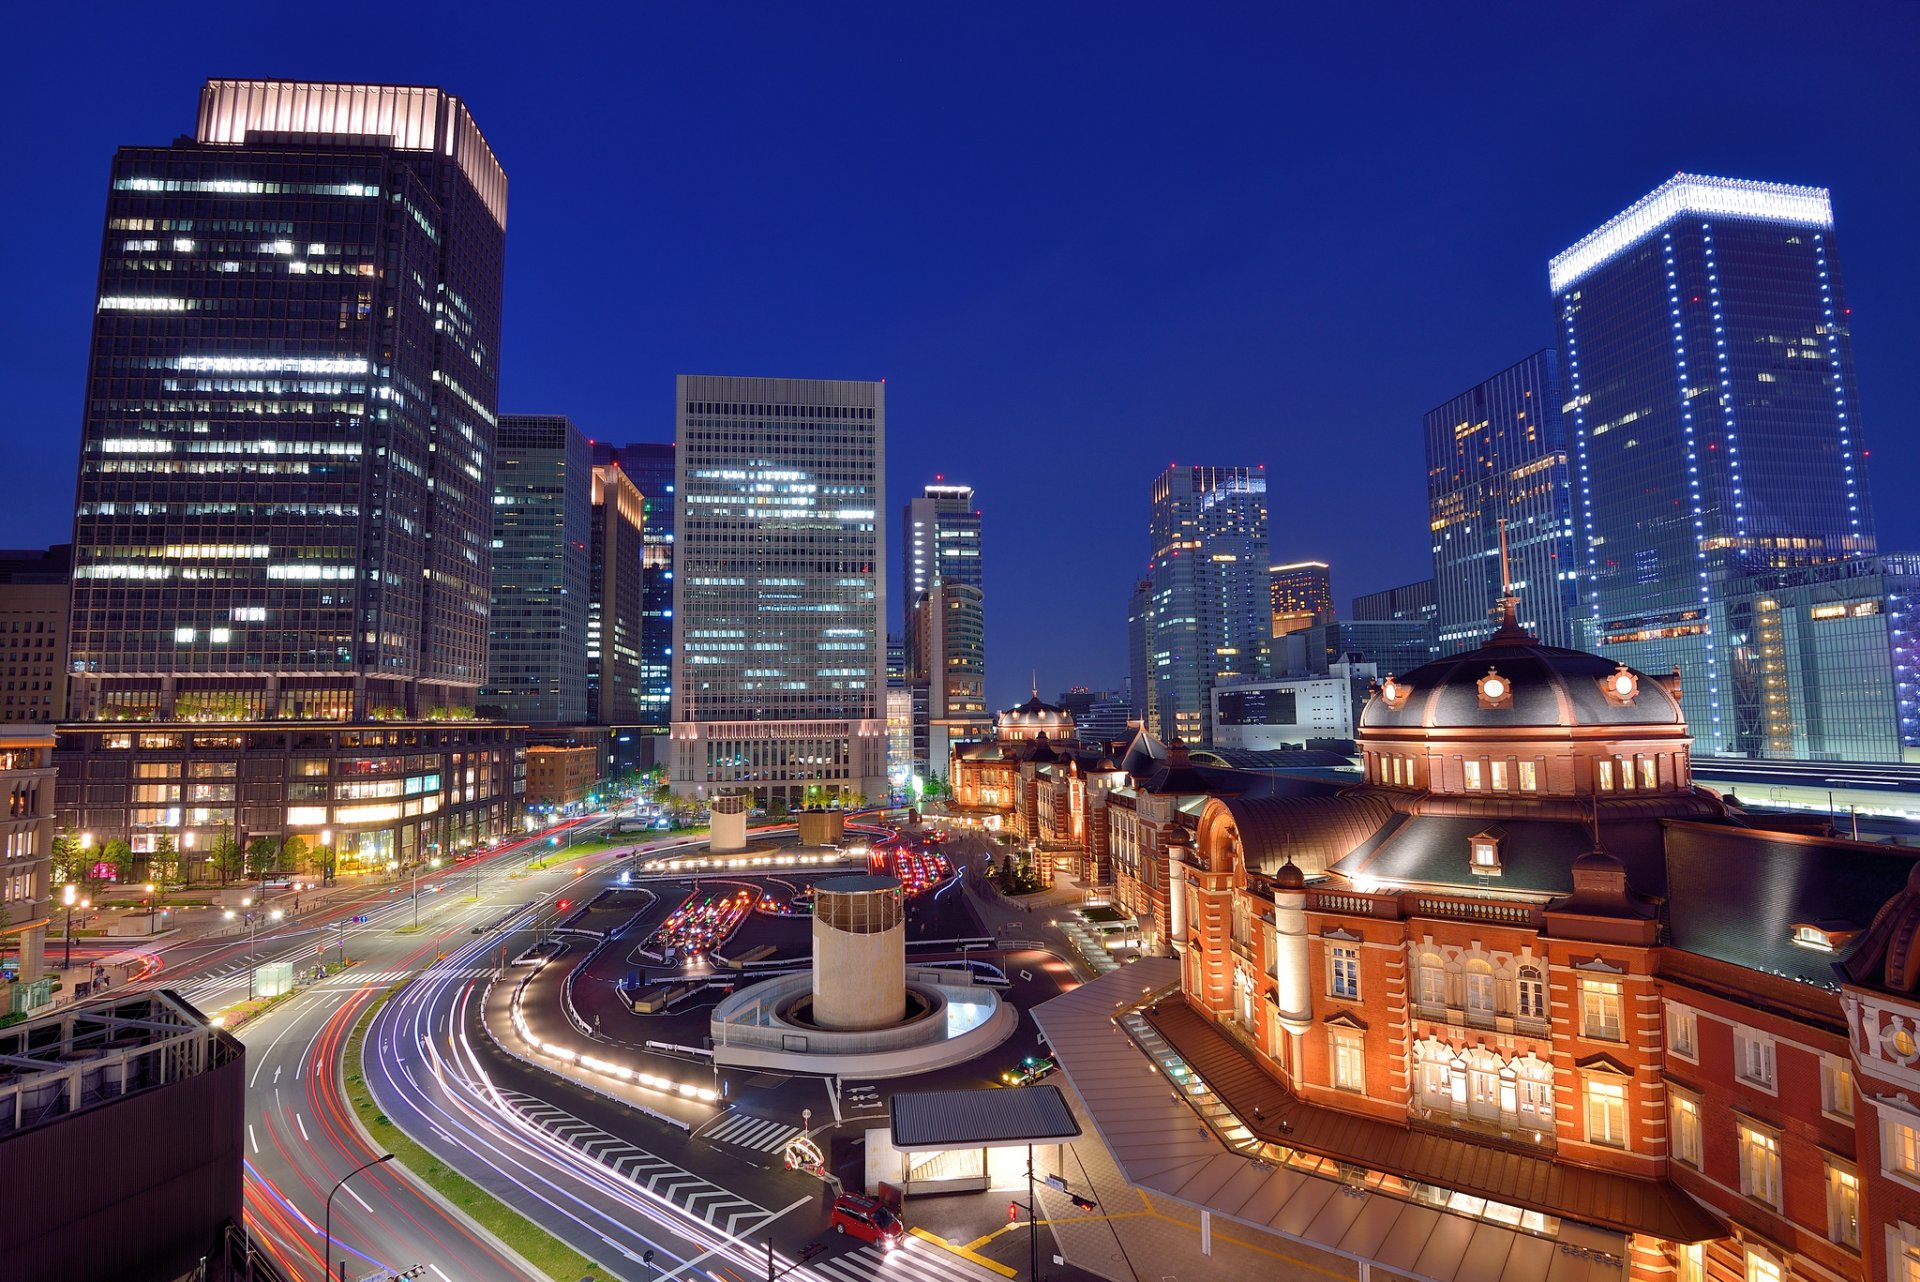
x,y
1529,973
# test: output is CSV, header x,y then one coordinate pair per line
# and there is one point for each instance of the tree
x,y
163,861
228,858
936,787
66,858
262,855
294,852
777,808
1009,879
118,856
325,860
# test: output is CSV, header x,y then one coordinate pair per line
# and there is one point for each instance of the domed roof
x,y
1035,711
1537,685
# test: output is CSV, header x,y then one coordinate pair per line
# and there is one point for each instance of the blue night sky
x,y
1079,242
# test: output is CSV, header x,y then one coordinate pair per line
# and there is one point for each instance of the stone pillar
x,y
859,952
728,816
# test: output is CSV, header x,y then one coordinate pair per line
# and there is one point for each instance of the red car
x,y
867,1220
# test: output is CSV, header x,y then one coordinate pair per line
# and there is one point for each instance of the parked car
x,y
867,1220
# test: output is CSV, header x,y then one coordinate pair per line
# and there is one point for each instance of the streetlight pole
x,y
153,904
328,1247
69,896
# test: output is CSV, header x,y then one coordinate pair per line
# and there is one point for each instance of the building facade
x,y
951,626
286,478
33,631
26,853
1497,460
543,526
650,467
560,776
779,613
940,543
283,536
1208,615
1716,431
1301,594
616,603
1409,601
1263,716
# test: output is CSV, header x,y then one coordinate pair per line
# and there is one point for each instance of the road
x,y
300,1136
612,1182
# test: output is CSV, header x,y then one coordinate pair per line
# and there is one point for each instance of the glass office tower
x,y
285,496
940,542
616,600
1209,613
1301,595
1498,452
1715,426
283,526
779,609
542,577
649,466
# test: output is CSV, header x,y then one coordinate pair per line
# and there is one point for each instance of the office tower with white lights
x,y
543,522
1209,613
285,504
617,599
779,604
1708,369
1497,459
940,542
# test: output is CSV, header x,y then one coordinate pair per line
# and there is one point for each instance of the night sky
x,y
1079,243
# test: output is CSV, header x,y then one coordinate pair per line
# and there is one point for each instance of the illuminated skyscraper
x,y
940,542
1301,595
543,519
1209,612
1497,452
779,604
649,466
285,511
1716,435
286,486
616,604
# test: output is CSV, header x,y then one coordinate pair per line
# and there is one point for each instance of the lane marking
x,y
303,1127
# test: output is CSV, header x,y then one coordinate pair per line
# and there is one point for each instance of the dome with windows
x,y
1514,681
1036,717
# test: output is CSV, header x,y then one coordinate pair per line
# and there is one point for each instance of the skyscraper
x,y
542,526
779,606
1301,595
940,541
1209,614
951,625
616,600
1498,452
1716,434
285,498
285,501
649,466
1139,666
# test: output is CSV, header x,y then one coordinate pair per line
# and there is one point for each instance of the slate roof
x,y
1255,759
1317,831
1536,856
1551,687
1736,894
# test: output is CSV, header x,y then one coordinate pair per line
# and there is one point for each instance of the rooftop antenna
x,y
1509,619
1036,683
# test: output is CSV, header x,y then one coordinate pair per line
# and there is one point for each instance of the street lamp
x,y
69,896
253,936
328,1246
153,902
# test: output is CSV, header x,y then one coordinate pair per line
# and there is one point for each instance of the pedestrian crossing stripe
x,y
697,1195
912,1259
744,1130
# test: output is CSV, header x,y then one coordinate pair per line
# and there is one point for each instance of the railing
x,y
1500,912
1353,903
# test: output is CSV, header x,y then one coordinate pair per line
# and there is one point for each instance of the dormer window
x,y
1621,686
1823,936
1495,690
1483,853
1394,693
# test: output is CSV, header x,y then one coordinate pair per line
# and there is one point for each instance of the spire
x,y
1510,632
1036,683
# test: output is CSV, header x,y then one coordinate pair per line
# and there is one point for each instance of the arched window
x,y
1532,992
1479,990
1433,980
1533,1088
1433,1075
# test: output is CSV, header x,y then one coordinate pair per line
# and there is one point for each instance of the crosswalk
x,y
694,1194
913,1259
355,977
233,974
743,1130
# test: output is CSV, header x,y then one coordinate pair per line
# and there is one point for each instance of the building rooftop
x,y
991,1118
